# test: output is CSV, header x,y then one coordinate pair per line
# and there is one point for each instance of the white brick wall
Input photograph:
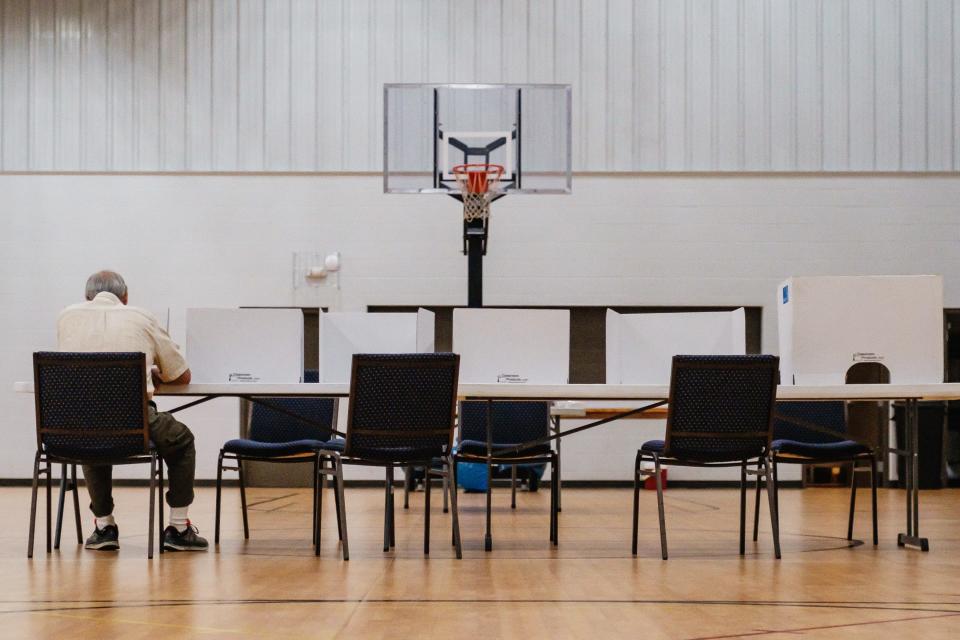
x,y
198,240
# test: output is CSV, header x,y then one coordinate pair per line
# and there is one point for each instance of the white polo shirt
x,y
106,324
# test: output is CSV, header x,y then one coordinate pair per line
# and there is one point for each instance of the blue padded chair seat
x,y
658,446
478,448
259,449
826,450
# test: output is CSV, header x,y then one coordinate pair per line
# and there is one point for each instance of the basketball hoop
x,y
479,184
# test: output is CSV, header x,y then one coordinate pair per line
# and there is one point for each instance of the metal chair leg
x,y
392,512
756,504
160,500
636,502
33,504
49,480
559,466
341,508
774,509
853,499
316,490
873,496
555,500
243,499
336,500
323,485
663,521
446,483
216,513
553,506
451,470
386,510
488,536
63,494
743,507
317,504
774,469
513,486
49,507
153,493
426,511
407,480
76,503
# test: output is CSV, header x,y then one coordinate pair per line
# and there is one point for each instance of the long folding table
x,y
656,396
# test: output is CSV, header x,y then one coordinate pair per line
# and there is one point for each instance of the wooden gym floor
x,y
590,587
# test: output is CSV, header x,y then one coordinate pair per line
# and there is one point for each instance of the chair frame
x,y
298,458
68,484
774,459
331,466
870,457
43,460
512,461
409,485
667,459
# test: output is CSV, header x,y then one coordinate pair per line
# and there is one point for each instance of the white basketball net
x,y
479,184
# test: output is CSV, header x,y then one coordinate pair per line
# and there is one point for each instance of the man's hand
x,y
157,380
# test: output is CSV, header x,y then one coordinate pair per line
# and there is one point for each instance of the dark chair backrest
x,y
402,405
91,404
512,422
269,425
810,422
721,407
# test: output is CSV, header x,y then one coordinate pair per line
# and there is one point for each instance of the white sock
x,y
178,518
105,521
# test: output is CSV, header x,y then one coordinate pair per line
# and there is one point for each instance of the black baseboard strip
x,y
567,484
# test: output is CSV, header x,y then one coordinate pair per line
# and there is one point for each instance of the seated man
x,y
105,323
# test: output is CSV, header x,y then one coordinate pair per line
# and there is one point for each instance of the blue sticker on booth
x,y
786,294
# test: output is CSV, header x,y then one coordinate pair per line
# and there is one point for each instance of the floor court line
x,y
915,607
146,623
770,632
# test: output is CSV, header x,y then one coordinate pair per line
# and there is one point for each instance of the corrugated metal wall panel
x,y
659,85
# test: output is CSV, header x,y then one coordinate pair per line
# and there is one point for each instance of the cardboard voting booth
x,y
231,345
343,334
640,346
828,324
513,345
245,345
639,350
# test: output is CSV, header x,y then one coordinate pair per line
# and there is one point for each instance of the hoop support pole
x,y
475,245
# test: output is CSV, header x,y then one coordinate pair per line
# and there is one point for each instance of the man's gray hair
x,y
106,281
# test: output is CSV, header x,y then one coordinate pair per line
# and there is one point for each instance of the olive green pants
x,y
174,443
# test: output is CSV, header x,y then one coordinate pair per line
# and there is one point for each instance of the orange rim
x,y
478,177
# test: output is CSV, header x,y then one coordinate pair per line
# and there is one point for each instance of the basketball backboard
x,y
431,128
